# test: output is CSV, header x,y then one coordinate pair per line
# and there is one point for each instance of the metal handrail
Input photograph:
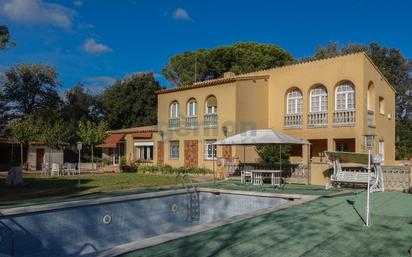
x,y
13,236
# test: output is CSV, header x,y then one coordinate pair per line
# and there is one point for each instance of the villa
x,y
332,103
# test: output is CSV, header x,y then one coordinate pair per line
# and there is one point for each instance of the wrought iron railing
x,y
210,120
174,123
191,122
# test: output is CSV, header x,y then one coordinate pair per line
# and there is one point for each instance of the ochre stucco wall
x,y
261,104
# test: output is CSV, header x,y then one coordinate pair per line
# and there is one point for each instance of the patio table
x,y
259,175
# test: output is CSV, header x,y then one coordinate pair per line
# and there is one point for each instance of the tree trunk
x,y
21,156
92,159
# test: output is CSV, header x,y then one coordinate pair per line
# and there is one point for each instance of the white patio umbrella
x,y
262,137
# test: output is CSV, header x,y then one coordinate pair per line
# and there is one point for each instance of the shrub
x,y
106,162
167,169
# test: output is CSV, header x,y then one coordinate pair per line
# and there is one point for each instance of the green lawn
x,y
40,189
329,227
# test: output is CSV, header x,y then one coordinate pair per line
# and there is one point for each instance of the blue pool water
x,y
88,230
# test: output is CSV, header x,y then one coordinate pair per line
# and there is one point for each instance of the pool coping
x,y
13,211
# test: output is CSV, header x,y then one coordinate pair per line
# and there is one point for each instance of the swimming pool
x,y
94,227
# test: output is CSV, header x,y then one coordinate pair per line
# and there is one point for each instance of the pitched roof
x,y
152,128
111,141
213,82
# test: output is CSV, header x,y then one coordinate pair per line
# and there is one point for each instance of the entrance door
x,y
160,153
190,153
39,158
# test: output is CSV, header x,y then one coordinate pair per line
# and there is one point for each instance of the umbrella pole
x,y
280,157
244,155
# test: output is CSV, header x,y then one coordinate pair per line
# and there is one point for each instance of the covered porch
x,y
113,148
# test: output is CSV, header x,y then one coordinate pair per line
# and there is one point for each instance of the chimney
x,y
228,74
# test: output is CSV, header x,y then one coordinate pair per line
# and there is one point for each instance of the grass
x,y
41,189
326,227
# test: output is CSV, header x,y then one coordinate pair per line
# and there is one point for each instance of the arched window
x,y
294,101
345,96
174,110
318,99
211,105
191,108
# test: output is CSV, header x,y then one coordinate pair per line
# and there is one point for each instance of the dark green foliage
x,y
131,102
5,38
203,64
30,89
398,70
271,154
78,106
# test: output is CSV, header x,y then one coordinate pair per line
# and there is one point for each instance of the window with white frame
x,y
144,152
174,110
192,108
294,101
174,150
211,105
345,97
382,149
318,99
210,149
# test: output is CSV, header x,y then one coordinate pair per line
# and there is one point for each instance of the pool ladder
x,y
192,199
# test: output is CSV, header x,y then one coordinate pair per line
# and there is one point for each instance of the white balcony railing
x,y
210,120
371,118
293,120
317,119
344,118
174,123
191,122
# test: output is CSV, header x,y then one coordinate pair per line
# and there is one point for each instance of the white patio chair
x,y
246,174
44,168
55,169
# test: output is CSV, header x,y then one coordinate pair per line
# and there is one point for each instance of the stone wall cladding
x,y
396,178
191,150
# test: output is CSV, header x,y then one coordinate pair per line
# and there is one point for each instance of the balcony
x,y
344,118
371,119
174,123
210,120
191,122
293,120
317,119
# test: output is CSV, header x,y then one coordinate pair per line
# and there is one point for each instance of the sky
x,y
95,41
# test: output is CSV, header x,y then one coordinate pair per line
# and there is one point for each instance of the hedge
x,y
170,170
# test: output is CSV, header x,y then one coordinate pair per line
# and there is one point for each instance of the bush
x,y
106,162
123,160
167,169
134,167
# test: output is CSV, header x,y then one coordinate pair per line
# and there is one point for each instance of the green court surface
x,y
328,226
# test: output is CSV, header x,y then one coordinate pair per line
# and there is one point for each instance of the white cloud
x,y
37,12
91,46
77,3
181,14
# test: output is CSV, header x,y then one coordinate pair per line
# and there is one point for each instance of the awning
x,y
143,143
142,135
111,141
261,137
